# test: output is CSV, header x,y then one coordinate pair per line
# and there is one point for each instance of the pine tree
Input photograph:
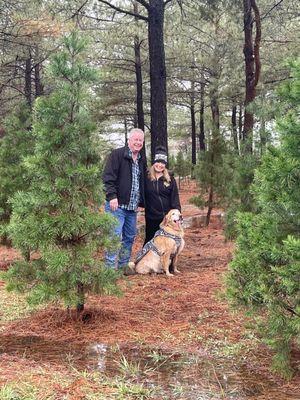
x,y
265,272
212,175
16,143
60,216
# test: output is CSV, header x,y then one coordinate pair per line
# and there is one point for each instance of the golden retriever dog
x,y
160,255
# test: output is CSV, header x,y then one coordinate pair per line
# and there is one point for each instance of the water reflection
x,y
172,375
98,352
177,374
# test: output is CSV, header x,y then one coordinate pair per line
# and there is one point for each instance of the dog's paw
x,y
169,274
129,269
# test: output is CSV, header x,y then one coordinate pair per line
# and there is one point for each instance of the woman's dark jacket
x,y
117,176
160,197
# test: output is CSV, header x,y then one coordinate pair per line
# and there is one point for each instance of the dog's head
x,y
173,220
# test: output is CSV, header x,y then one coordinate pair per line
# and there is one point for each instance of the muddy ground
x,y
180,318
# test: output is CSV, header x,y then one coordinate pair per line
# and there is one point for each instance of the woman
x,y
161,193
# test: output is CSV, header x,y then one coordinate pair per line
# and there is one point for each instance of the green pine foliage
x,y
265,272
16,144
59,217
182,165
237,196
212,174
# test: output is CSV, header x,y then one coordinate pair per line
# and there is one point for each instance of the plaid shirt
x,y
135,186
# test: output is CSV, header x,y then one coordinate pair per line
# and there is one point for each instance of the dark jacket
x,y
160,197
117,176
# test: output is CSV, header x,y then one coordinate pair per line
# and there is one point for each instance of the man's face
x,y
135,142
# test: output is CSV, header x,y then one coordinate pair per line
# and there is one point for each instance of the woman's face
x,y
159,167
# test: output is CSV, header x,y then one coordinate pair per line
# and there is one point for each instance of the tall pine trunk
x,y
234,128
193,124
158,94
201,124
139,78
28,88
252,68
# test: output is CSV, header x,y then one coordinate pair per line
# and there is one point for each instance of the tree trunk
x,y
234,128
158,96
28,90
240,122
139,79
39,90
193,125
263,135
215,141
215,111
80,295
252,68
209,205
139,83
202,133
125,129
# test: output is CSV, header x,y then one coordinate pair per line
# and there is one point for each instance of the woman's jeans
x,y
126,231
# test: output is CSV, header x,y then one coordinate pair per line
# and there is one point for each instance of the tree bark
x,y
139,79
201,132
215,142
80,294
209,205
252,68
125,129
240,122
28,89
193,124
139,82
39,90
263,135
158,92
234,128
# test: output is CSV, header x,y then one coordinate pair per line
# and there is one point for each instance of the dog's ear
x,y
164,221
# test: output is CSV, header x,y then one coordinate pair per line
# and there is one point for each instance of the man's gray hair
x,y
135,130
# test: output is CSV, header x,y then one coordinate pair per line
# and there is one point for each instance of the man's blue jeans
x,y
126,231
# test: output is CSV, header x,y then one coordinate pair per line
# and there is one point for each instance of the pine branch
x,y
271,9
76,13
143,3
139,16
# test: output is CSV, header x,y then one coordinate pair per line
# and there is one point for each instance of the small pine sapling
x,y
59,216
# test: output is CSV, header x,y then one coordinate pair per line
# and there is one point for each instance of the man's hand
x,y
114,204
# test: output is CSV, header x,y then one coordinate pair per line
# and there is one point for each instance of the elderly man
x,y
123,179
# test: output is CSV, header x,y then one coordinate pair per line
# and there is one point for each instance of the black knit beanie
x,y
161,155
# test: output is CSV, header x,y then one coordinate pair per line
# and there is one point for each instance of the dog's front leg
x,y
166,263
174,264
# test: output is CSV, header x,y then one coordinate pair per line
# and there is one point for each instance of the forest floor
x,y
165,338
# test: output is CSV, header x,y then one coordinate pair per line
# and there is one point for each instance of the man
x,y
123,179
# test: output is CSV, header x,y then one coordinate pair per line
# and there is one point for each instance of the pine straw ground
x,y
186,313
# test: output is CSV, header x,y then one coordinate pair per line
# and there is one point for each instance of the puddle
x,y
170,375
182,376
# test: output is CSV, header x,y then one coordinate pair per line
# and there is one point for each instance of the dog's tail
x,y
130,269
